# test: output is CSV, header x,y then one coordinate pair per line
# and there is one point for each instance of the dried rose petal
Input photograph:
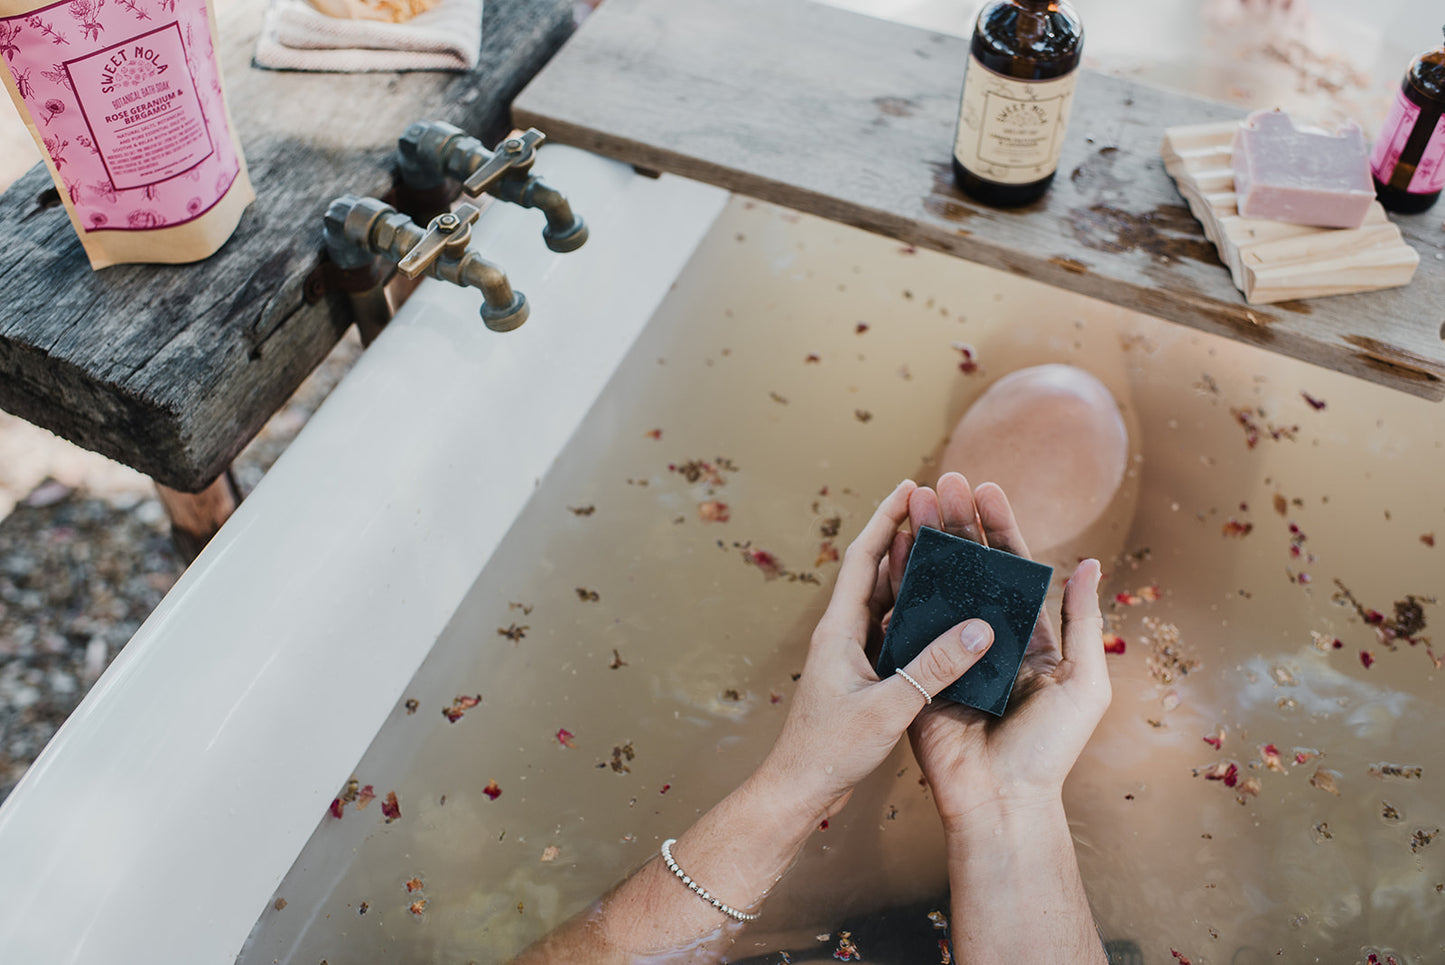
x,y
550,852
713,511
654,433
1216,740
665,789
390,807
813,357
1226,771
1113,643
1249,787
1270,755
774,697
564,737
1325,780
827,553
1236,528
1305,754
459,707
1316,404
1406,771
364,797
492,790
1367,658
1180,956
969,363
337,808
1428,539
417,907
414,884
764,561
860,328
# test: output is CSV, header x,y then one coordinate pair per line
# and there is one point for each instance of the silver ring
x,y
927,699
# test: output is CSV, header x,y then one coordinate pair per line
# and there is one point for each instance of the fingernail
x,y
975,636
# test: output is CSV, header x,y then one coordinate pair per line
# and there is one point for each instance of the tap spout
x,y
430,152
358,230
565,231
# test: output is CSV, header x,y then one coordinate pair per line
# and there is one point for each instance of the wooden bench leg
x,y
196,517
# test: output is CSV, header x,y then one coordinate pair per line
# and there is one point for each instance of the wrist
x,y
796,803
1008,815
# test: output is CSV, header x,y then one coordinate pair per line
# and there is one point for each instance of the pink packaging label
x,y
127,97
1429,175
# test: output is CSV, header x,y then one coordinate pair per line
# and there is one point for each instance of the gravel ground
x,y
85,556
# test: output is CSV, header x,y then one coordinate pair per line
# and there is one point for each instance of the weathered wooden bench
x,y
173,369
852,118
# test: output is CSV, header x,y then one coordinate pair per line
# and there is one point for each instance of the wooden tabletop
x,y
852,118
173,369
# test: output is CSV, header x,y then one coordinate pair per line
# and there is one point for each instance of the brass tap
x,y
429,152
357,230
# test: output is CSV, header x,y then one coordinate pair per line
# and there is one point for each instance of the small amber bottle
x,y
1017,93
1408,161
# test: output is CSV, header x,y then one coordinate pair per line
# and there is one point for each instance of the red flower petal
x,y
564,737
390,807
492,790
1113,643
1367,658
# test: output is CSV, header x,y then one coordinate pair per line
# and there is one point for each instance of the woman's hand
x,y
972,758
844,721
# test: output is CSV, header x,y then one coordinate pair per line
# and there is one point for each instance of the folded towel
x,y
294,36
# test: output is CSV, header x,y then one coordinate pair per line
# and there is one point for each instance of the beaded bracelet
x,y
698,889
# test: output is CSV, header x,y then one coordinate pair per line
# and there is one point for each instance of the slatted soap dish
x,y
1272,261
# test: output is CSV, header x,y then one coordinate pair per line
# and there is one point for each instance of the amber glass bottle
x,y
1408,161
1016,98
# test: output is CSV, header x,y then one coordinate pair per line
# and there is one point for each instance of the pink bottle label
x,y
127,97
1429,175
1430,172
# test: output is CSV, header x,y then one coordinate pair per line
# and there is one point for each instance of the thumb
x,y
1083,628
941,663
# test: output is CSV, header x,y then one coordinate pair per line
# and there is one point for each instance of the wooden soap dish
x,y
1272,261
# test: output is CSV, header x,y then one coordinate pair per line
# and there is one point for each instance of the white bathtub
x,y
440,498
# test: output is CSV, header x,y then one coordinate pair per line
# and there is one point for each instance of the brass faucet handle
x,y
515,152
448,233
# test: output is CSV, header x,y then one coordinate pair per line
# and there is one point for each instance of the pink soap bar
x,y
1286,174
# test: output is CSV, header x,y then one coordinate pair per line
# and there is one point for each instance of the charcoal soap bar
x,y
949,580
1285,173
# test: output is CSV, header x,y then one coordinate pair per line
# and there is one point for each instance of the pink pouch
x,y
124,99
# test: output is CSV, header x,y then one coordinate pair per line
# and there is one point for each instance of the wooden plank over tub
x,y
852,118
173,369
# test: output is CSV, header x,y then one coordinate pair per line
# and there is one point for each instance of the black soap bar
x,y
949,580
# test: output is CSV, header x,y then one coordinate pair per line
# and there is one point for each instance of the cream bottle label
x,y
1011,131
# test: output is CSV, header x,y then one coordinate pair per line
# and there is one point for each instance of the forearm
x,y
737,851
1017,894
